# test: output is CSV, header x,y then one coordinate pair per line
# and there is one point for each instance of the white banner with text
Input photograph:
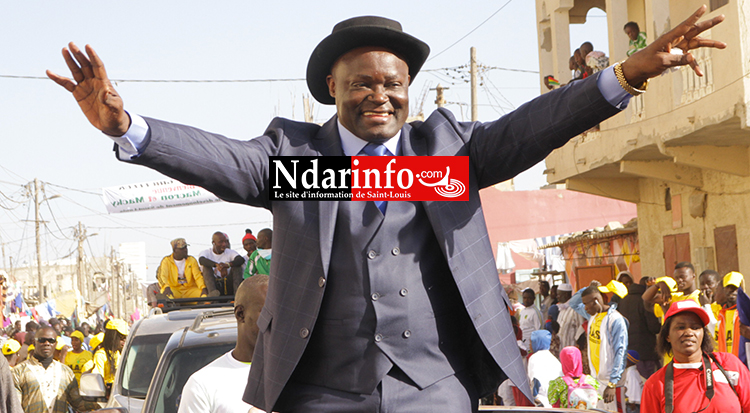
x,y
166,193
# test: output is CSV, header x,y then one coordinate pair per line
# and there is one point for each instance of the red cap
x,y
689,306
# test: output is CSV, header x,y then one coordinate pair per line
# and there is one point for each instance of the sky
x,y
44,135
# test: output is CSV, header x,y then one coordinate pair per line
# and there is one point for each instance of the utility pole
x,y
3,245
112,280
440,99
473,63
81,234
307,106
37,201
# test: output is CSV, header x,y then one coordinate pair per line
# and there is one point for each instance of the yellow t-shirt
x,y
695,296
595,341
77,361
101,365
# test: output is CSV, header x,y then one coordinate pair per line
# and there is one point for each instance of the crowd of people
x,y
43,362
586,61
218,271
627,346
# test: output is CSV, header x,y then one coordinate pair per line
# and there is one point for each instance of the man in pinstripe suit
x,y
376,308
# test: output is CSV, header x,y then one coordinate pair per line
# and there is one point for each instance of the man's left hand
x,y
609,395
657,57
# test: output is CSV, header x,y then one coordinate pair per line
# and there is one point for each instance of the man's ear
x,y
239,313
331,86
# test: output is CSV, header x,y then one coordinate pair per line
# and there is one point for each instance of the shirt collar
x,y
696,365
352,145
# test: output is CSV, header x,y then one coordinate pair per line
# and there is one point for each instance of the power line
x,y
472,31
245,223
74,189
456,68
294,79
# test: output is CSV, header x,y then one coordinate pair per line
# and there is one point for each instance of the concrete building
x,y
679,151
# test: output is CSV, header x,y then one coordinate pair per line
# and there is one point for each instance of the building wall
x,y
727,203
688,134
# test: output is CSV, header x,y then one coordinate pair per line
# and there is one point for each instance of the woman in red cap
x,y
697,379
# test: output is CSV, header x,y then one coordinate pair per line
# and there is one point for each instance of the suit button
x,y
321,282
372,254
378,338
403,292
396,251
407,334
375,296
304,333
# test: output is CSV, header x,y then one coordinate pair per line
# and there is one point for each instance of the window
x,y
182,365
141,359
676,250
727,259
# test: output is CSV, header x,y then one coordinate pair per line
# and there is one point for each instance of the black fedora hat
x,y
359,32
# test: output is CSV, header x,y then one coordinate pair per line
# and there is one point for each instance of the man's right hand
x,y
93,91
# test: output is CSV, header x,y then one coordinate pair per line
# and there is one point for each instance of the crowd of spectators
x,y
44,361
217,271
586,61
618,344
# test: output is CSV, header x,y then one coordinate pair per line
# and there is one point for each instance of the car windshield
x,y
140,362
182,365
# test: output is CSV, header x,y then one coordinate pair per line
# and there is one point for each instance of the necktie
x,y
377,149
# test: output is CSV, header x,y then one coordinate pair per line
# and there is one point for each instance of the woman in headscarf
x,y
572,376
543,366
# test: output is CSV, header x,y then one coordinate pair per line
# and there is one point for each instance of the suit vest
x,y
390,299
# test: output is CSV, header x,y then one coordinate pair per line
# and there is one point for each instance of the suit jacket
x,y
238,171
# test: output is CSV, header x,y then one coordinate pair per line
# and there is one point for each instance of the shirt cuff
x,y
132,142
611,89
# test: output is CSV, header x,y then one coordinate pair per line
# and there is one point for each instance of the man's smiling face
x,y
371,88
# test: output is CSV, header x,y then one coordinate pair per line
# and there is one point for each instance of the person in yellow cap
x,y
77,357
107,357
179,274
61,349
94,343
10,351
681,286
727,319
664,289
618,289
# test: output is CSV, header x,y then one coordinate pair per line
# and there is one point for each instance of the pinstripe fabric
x,y
238,171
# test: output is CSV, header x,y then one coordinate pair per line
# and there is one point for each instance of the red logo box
x,y
413,178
